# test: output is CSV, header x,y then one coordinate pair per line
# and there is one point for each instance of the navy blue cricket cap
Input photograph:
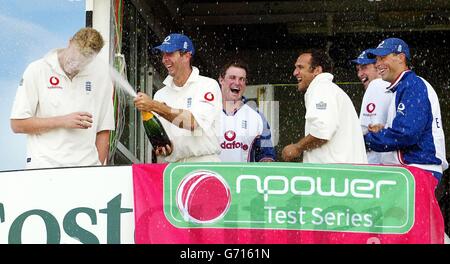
x,y
175,42
363,59
390,45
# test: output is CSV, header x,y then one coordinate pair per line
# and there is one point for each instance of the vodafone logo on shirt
x,y
230,136
209,97
54,80
370,108
54,83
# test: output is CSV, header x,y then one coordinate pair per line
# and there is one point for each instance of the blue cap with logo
x,y
363,59
390,45
175,42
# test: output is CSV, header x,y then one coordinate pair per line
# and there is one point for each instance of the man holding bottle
x,y
188,105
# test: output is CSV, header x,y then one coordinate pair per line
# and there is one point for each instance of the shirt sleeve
x,y
27,96
321,114
413,112
207,105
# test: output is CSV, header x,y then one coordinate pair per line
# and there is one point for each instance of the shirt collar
x,y
244,100
324,76
394,84
192,78
52,59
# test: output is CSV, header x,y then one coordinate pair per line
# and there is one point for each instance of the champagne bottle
x,y
154,130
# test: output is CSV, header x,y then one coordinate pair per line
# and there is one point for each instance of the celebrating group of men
x,y
64,105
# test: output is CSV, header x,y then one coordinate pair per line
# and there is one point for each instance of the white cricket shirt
x,y
374,110
330,115
46,91
238,134
202,97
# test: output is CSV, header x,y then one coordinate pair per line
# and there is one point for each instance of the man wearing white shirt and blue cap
x,y
189,104
413,134
376,100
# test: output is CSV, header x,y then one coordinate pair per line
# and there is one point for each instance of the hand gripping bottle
x,y
154,130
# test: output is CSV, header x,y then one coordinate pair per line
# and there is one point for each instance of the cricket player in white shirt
x,y
189,105
376,100
64,105
332,128
245,133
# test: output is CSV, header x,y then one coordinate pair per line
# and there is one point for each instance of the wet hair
x,y
408,62
183,52
88,40
238,63
320,58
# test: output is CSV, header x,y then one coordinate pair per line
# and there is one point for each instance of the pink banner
x,y
152,225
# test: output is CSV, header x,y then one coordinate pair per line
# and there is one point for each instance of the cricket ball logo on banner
x,y
203,197
286,196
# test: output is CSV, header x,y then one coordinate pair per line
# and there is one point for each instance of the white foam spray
x,y
122,83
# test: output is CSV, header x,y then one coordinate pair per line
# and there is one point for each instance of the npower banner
x,y
284,203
